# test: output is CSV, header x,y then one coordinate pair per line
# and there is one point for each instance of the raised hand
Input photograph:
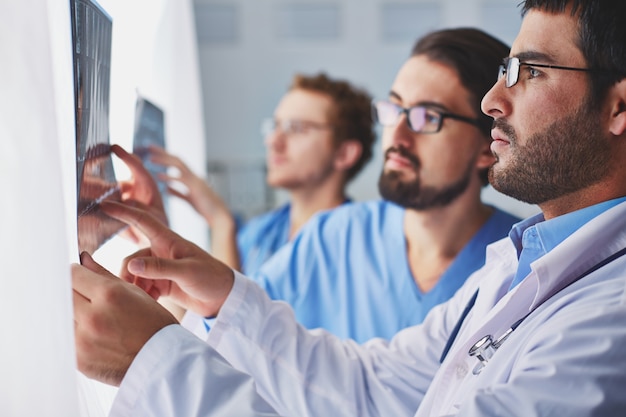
x,y
198,193
141,191
205,201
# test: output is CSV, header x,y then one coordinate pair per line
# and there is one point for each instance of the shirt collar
x,y
556,230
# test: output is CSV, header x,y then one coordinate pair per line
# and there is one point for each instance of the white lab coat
x,y
568,358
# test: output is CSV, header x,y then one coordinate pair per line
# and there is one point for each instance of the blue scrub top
x,y
262,236
347,271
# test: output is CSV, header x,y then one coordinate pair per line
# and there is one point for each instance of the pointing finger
x,y
133,161
147,224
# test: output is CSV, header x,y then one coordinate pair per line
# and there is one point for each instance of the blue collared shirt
x,y
532,242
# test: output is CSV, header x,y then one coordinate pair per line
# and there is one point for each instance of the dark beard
x,y
567,156
412,194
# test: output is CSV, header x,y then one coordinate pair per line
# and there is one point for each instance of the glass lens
x,y
267,127
512,72
386,113
294,127
501,72
417,118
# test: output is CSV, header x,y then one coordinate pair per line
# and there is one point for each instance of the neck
x,y
587,197
435,237
305,203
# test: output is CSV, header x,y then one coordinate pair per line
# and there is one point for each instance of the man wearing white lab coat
x,y
550,297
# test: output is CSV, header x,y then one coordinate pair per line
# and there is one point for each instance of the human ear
x,y
617,125
347,154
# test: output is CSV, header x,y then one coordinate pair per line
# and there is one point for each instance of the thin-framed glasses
x,y
510,69
420,119
291,127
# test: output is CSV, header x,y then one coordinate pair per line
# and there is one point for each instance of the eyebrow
x,y
535,56
427,104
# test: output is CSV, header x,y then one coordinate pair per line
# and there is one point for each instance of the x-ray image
x,y
91,38
150,130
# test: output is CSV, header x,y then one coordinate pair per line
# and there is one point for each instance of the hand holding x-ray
x,y
140,190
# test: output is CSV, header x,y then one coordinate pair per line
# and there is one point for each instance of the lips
x,y
499,137
502,131
500,142
400,158
397,161
274,158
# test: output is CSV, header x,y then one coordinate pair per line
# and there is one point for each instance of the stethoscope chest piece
x,y
484,349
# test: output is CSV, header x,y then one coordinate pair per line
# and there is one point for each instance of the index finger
x,y
135,165
133,162
153,229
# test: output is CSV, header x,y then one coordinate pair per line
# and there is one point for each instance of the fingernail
x,y
84,255
136,266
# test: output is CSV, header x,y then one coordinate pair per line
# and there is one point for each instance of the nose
x,y
274,139
495,103
399,134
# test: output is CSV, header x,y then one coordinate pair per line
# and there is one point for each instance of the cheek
x,y
309,155
541,110
439,166
446,161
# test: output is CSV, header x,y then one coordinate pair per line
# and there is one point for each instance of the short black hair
x,y
601,37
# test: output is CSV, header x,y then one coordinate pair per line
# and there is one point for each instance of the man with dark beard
x,y
371,269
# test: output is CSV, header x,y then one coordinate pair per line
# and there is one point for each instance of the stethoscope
x,y
486,346
484,349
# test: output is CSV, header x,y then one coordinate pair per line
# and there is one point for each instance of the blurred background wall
x,y
249,50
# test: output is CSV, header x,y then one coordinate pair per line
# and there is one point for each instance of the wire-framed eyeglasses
x,y
510,69
420,119
291,127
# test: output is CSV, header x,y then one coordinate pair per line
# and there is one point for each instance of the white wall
x,y
37,360
248,56
154,54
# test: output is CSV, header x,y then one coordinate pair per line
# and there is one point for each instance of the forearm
x,y
311,373
177,375
224,241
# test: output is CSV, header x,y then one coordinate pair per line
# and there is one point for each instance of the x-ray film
x,y
150,130
91,41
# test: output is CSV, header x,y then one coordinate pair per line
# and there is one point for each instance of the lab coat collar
x,y
579,252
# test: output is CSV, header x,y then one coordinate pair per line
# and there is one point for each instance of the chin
x,y
272,182
277,181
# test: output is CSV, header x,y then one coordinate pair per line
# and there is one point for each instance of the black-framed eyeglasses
x,y
420,119
291,127
510,69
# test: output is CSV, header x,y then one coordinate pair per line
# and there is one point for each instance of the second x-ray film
x,y
149,131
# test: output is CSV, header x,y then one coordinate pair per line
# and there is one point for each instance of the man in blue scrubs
x,y
370,269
